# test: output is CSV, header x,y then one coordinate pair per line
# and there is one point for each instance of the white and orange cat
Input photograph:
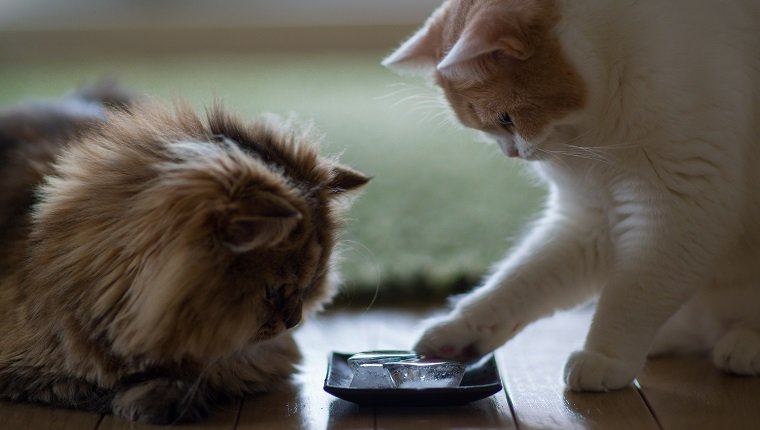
x,y
643,119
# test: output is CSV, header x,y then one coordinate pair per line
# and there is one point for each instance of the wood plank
x,y
302,408
281,410
532,365
33,417
490,413
305,405
691,393
224,417
686,393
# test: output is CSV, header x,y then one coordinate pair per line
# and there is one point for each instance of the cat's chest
x,y
612,200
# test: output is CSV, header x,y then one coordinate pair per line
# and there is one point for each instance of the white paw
x,y
592,371
738,351
457,337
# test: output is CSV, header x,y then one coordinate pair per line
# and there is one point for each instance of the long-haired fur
x,y
164,256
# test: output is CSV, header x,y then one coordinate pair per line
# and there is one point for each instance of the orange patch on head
x,y
496,58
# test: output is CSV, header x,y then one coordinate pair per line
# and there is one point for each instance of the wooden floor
x,y
685,393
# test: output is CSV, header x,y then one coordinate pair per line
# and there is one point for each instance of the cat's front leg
x,y
629,314
556,266
663,256
161,401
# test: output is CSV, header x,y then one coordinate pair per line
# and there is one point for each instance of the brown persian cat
x,y
154,261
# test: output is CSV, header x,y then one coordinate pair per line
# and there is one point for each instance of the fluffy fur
x,y
163,258
643,119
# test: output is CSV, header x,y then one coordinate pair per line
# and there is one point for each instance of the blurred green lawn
x,y
442,207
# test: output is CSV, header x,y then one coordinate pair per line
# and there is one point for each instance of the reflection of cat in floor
x,y
155,261
643,119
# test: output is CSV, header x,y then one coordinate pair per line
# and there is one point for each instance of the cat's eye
x,y
505,119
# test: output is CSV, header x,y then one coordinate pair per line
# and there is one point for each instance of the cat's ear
x,y
491,30
419,55
345,179
259,221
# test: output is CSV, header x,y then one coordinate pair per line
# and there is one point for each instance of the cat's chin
x,y
534,155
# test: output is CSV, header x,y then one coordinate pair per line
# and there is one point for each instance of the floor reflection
x,y
347,415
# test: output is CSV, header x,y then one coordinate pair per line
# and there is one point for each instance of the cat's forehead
x,y
491,79
277,146
455,15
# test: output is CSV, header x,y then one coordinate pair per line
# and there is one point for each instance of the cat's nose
x,y
508,147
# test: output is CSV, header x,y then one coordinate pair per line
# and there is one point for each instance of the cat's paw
x,y
592,371
459,337
160,401
738,351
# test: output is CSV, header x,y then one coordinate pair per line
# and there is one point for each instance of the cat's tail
x,y
32,133
56,120
108,92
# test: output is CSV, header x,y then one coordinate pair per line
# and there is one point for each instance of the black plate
x,y
481,379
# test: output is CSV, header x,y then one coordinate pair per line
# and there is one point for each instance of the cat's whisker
x,y
445,118
630,145
428,105
435,111
586,155
587,150
427,114
187,401
404,89
390,95
417,98
601,152
373,262
410,86
402,101
432,102
436,108
577,154
399,91
554,156
581,136
621,146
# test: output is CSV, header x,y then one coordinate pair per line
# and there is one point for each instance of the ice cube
x,y
425,373
371,375
380,357
368,370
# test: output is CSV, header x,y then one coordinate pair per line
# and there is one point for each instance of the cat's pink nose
x,y
509,148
